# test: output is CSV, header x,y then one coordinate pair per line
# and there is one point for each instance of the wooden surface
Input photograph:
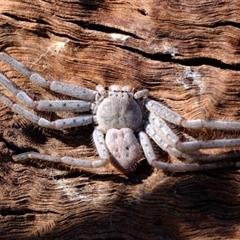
x,y
185,52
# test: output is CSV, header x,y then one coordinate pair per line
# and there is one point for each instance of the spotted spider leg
x,y
56,86
165,146
48,105
159,111
45,105
152,159
177,148
98,138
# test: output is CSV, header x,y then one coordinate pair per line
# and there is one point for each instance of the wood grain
x,y
185,52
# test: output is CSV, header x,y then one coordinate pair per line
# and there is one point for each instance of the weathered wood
x,y
186,53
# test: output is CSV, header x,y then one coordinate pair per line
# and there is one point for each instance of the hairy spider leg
x,y
98,138
45,105
56,86
141,94
172,167
159,112
82,120
167,114
173,140
160,141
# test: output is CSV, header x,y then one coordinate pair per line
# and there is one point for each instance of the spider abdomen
x,y
124,149
119,110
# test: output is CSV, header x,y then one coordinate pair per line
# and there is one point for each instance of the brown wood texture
x,y
185,52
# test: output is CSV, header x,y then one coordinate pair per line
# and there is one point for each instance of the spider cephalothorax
x,y
121,132
119,110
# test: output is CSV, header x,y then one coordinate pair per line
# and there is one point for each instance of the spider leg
x,y
163,130
165,146
82,120
172,139
167,114
158,139
164,112
45,105
56,86
207,144
100,145
152,159
63,105
141,94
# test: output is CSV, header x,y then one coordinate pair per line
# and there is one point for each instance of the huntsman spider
x,y
124,124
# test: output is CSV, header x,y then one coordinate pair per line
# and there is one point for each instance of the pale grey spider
x,y
122,126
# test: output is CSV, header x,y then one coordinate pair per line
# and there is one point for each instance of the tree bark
x,y
185,53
